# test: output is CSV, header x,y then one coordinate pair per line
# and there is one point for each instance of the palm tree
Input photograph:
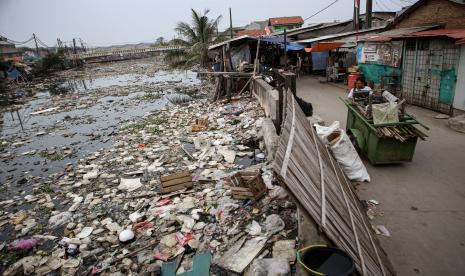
x,y
196,38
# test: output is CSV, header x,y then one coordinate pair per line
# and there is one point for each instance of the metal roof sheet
x,y
388,35
243,37
339,35
452,33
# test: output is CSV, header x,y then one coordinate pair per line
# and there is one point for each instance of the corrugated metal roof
x,y
340,35
289,20
452,33
244,37
388,35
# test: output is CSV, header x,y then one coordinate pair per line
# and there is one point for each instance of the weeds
x,y
54,157
45,188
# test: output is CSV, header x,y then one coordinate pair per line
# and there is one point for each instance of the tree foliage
x,y
51,62
196,37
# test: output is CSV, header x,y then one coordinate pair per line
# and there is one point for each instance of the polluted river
x,y
82,166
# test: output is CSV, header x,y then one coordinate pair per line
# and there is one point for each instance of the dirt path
x,y
423,201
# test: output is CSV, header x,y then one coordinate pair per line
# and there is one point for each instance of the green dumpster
x,y
384,143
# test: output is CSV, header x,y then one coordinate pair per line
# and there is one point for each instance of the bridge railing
x,y
110,52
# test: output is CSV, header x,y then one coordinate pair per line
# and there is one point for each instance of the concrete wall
x,y
268,97
459,97
435,12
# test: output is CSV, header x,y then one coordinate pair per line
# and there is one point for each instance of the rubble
x,y
104,208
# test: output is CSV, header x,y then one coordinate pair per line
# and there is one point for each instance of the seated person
x,y
360,85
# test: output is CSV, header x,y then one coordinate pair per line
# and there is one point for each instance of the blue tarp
x,y
14,74
293,46
319,60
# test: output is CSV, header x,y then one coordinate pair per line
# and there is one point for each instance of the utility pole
x,y
82,45
230,24
74,46
35,41
369,8
285,48
356,19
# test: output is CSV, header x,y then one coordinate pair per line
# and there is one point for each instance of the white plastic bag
x,y
344,152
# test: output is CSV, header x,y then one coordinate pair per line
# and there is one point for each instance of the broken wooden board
x,y
176,181
200,125
247,185
242,253
313,176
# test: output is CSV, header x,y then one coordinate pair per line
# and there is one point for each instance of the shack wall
x,y
374,72
459,98
433,12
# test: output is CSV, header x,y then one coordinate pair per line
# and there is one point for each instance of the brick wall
x,y
435,12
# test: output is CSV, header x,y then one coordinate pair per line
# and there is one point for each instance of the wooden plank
x,y
177,187
244,193
176,181
239,197
175,175
239,189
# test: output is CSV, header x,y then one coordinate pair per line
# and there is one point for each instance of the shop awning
x,y
324,46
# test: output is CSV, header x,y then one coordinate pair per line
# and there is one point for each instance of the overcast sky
x,y
107,22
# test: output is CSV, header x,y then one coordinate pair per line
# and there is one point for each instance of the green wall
x,y
282,28
373,72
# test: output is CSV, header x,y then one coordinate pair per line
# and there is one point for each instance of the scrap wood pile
x,y
401,132
391,110
160,194
316,180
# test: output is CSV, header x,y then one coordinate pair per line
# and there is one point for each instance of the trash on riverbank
x,y
103,210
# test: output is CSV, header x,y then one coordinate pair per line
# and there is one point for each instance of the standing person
x,y
360,85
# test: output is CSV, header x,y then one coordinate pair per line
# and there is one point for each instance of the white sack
x,y
344,152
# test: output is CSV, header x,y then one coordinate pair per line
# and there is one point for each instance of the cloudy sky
x,y
107,22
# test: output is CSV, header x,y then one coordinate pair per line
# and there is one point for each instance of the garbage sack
x,y
22,245
270,267
274,224
278,192
385,113
343,151
324,131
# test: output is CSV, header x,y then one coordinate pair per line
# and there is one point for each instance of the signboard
x,y
382,53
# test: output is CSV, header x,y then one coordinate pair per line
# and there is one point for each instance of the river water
x,y
87,108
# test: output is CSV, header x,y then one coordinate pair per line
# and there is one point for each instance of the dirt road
x,y
423,201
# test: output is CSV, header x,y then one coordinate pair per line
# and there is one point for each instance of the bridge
x,y
101,53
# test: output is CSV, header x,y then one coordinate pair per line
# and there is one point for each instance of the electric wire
x,y
325,8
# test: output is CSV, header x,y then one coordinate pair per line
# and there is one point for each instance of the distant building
x,y
379,19
8,50
278,24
